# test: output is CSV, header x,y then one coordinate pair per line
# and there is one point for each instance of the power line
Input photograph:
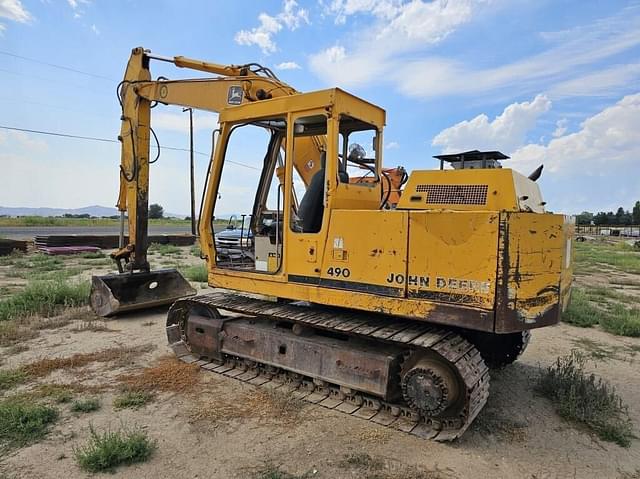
x,y
108,140
53,65
65,135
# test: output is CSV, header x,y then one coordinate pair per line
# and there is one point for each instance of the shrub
x,y
23,423
132,399
585,399
106,451
86,405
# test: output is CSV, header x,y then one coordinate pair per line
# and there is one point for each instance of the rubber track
x,y
461,353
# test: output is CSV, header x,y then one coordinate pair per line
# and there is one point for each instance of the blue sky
x,y
545,81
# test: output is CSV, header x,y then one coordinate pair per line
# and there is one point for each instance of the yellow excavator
x,y
390,310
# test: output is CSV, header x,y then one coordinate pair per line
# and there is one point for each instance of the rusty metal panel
x,y
340,362
203,335
532,255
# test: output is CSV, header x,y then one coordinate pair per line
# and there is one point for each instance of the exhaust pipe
x,y
116,293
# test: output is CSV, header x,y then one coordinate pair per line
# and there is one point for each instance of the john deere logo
x,y
235,95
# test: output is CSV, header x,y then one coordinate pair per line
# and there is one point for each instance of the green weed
x,y
22,423
44,298
617,255
92,255
616,318
10,378
132,399
164,249
108,450
272,471
622,321
197,273
580,311
85,405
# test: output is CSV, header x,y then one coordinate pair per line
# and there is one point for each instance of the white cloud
x,y
603,82
506,132
436,76
392,145
605,143
385,50
379,8
399,28
179,122
287,66
76,6
561,129
14,10
291,16
95,30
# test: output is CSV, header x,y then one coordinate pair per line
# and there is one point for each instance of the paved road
x,y
28,232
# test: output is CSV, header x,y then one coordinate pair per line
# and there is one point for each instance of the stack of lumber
x,y
8,245
47,243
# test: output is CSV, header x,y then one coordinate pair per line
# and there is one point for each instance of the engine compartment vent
x,y
454,194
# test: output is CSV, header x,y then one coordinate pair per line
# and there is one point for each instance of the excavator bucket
x,y
116,293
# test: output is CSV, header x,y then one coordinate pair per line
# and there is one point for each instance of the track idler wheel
x,y
429,385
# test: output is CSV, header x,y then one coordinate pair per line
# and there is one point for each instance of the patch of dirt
x,y
208,425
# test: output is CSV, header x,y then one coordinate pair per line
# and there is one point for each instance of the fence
x,y
628,231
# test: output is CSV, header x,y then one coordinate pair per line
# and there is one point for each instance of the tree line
x,y
620,217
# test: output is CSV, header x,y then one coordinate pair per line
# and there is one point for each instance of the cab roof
x,y
331,100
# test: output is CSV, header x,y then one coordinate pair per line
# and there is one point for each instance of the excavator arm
x,y
233,86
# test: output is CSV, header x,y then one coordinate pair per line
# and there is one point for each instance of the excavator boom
x,y
136,287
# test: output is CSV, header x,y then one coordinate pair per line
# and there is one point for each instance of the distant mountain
x,y
95,210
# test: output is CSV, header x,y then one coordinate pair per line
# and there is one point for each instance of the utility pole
x,y
193,187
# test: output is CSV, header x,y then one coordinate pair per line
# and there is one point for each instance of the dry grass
x,y
365,466
12,332
23,329
121,355
167,374
49,323
93,327
376,435
17,349
269,406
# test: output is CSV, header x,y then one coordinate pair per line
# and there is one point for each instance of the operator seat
x,y
311,207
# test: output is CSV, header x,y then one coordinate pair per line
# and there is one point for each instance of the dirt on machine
x,y
381,293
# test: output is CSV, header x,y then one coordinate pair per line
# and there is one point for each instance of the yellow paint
x,y
457,251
